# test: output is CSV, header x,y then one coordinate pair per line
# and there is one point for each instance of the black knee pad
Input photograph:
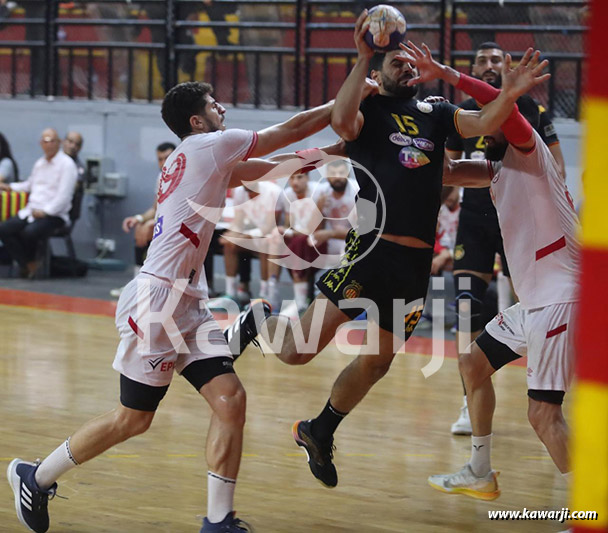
x,y
549,396
140,396
474,294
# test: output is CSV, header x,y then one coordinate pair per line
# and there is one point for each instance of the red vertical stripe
x,y
598,73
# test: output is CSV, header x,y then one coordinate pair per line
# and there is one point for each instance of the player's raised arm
x,y
466,173
346,119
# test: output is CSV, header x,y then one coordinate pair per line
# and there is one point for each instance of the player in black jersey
x,y
478,239
400,141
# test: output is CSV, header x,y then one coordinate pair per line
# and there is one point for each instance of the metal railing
x,y
270,53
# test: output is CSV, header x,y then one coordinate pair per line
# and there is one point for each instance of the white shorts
x,y
163,330
546,336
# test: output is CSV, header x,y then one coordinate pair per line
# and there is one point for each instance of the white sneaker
x,y
462,426
467,483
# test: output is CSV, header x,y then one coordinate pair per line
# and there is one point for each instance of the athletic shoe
x,y
467,483
244,329
320,454
230,524
31,502
462,426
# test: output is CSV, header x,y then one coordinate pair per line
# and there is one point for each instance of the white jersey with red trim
x,y
539,225
195,174
336,209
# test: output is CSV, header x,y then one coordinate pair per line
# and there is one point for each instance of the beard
x,y
496,152
394,88
338,186
496,83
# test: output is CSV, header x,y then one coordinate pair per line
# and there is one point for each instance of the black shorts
x,y
394,277
477,242
143,397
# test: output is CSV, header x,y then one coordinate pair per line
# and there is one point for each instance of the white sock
x,y
264,289
480,455
231,286
300,291
220,496
464,402
55,465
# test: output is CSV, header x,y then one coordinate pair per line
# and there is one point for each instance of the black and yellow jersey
x,y
402,145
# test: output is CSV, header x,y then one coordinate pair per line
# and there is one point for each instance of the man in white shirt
x,y
50,187
538,224
256,212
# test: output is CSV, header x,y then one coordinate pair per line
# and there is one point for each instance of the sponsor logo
x,y
191,276
411,157
155,362
166,366
424,107
352,290
458,252
549,130
227,364
424,144
529,371
400,139
158,227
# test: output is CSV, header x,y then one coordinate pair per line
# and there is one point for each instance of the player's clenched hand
x,y
528,74
428,68
361,26
129,223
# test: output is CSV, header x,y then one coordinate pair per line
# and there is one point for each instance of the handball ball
x,y
386,28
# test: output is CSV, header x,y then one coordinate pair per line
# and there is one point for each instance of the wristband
x,y
483,92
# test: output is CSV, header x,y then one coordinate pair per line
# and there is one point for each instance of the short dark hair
x,y
163,147
377,61
529,109
489,45
183,101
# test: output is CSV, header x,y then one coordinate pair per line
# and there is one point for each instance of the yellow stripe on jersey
x,y
456,121
595,184
589,442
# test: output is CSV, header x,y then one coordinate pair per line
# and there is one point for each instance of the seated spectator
x,y
335,199
72,144
8,166
51,188
256,213
299,225
447,227
144,222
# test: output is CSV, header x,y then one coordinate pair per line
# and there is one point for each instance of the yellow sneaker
x,y
467,483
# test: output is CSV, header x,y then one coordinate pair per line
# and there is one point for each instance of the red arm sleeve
x,y
516,128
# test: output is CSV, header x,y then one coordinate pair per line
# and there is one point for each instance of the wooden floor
x,y
55,373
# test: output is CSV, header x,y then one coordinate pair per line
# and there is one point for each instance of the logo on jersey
x,y
424,144
549,130
425,107
158,227
458,252
155,362
400,139
412,158
352,290
171,177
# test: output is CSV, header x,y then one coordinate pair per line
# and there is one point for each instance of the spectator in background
x,y
51,188
144,222
336,201
299,224
72,144
9,171
256,215
447,228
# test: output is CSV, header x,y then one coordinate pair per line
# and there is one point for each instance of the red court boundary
x,y
95,307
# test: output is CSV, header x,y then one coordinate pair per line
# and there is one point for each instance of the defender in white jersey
x,y
538,223
161,317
